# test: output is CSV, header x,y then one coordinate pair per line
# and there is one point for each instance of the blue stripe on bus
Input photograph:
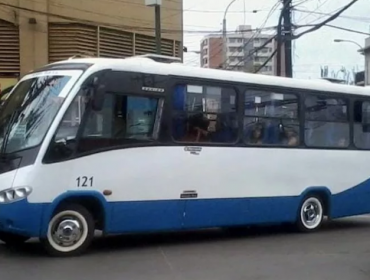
x,y
351,202
31,219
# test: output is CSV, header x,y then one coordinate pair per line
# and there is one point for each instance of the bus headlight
x,y
16,194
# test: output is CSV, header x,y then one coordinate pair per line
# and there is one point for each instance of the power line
x,y
267,61
312,12
331,18
336,27
122,26
249,30
348,29
253,36
256,50
357,18
274,7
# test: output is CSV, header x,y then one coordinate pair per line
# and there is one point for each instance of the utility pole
x,y
157,6
224,37
224,44
288,38
284,36
279,39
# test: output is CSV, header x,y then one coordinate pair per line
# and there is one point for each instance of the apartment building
x,y
241,54
37,32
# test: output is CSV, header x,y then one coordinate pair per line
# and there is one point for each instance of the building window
x,y
263,40
271,118
204,114
326,121
362,124
266,69
232,40
205,61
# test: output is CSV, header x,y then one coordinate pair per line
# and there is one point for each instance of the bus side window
x,y
326,121
124,119
270,118
64,140
362,124
204,114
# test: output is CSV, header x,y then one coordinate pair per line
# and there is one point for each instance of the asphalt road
x,y
341,250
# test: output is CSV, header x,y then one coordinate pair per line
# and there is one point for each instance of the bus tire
x,y
13,240
311,214
70,231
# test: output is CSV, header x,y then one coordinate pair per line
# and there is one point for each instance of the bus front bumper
x,y
21,218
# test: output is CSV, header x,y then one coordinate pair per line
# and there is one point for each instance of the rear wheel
x,y
70,231
311,214
12,239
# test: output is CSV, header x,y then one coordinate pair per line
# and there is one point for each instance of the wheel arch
x,y
322,192
93,201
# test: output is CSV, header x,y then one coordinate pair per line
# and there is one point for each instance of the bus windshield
x,y
29,111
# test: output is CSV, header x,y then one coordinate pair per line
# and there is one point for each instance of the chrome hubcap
x,y
67,232
311,213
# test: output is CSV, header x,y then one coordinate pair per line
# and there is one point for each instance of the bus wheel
x,y
13,239
70,231
311,214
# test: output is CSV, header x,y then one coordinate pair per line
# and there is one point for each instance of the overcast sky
x,y
310,51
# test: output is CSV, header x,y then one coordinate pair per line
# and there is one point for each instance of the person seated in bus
x,y
224,132
197,129
290,137
342,142
257,134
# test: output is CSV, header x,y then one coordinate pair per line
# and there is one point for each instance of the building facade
x,y
367,61
34,33
241,54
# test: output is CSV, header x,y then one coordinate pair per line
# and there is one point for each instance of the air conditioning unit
x,y
161,58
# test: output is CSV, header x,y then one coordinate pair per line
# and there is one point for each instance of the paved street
x,y
341,250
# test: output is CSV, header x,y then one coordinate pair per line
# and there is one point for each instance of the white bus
x,y
134,145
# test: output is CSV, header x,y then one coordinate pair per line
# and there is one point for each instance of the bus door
x,y
205,123
119,153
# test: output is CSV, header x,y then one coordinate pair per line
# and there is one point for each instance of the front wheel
x,y
311,214
70,231
13,239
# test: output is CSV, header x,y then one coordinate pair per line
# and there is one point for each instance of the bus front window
x,y
28,113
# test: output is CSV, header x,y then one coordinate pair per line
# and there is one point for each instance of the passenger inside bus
x,y
196,129
257,134
271,133
289,137
225,129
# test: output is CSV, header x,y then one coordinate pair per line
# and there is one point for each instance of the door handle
x,y
189,194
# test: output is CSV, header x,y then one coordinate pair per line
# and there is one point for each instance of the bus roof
x,y
147,65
